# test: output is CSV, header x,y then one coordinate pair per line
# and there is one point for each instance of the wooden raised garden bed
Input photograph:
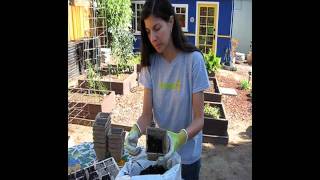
x,y
215,130
211,75
121,84
214,139
85,104
138,66
213,94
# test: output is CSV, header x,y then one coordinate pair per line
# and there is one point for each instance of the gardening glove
x,y
130,144
176,140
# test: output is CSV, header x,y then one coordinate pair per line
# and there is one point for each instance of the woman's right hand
x,y
130,143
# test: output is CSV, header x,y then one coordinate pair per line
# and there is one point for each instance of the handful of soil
x,y
153,170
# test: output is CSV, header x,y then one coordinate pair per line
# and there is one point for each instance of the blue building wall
x,y
224,27
191,13
224,24
191,39
137,43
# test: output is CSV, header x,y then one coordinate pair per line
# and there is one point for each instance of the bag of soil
x,y
140,168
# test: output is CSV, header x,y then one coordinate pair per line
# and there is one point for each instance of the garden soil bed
x,y
90,105
216,126
121,84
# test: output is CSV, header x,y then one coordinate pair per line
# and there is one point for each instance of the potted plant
x,y
212,64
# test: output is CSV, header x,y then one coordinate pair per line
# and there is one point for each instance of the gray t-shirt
x,y
172,86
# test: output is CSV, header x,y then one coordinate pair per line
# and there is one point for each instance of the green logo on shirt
x,y
170,86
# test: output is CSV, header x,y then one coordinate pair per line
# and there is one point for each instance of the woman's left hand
x,y
175,142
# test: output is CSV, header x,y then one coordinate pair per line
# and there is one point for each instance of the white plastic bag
x,y
134,166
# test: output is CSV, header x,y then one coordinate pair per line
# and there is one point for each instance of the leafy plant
x,y
122,45
118,13
123,69
101,14
118,16
101,4
244,84
211,111
212,62
94,79
135,59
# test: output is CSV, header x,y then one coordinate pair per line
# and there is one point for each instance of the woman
x,y
174,77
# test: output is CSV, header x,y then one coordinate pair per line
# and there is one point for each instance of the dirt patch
x,y
80,134
232,162
240,105
238,108
85,98
128,107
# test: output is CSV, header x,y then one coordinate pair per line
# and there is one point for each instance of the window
x,y
136,9
182,15
180,9
207,27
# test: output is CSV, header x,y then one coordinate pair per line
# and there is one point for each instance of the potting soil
x,y
153,170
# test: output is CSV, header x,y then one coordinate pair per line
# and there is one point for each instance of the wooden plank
x,y
214,139
228,91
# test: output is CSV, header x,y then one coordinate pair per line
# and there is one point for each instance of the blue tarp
x,y
81,156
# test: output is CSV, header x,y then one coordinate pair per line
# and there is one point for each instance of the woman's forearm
x,y
198,119
195,127
144,121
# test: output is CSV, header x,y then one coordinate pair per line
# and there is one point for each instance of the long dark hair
x,y
161,9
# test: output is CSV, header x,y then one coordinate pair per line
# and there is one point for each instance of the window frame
x,y
135,3
186,20
186,6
